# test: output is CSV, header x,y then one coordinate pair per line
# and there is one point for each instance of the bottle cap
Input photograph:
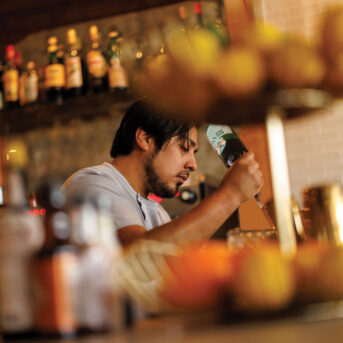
x,y
197,8
30,65
18,58
52,40
71,36
10,52
93,32
113,34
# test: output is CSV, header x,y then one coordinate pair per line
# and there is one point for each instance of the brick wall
x,y
314,143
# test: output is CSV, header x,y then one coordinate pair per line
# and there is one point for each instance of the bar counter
x,y
197,330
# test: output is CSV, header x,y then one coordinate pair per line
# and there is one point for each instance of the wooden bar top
x,y
168,330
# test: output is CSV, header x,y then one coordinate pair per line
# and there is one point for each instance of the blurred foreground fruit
x,y
330,271
195,279
196,51
263,37
307,266
264,280
240,72
295,65
334,77
332,32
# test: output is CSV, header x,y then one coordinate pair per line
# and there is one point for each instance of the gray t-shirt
x,y
127,206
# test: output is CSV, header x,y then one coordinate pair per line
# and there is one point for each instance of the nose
x,y
191,163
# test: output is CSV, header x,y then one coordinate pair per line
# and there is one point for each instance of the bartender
x,y
155,154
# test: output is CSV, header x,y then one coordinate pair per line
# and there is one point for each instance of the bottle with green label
x,y
54,74
226,143
73,65
117,76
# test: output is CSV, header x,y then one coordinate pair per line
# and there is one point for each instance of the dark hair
x,y
155,123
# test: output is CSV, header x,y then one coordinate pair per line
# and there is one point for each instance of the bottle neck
x,y
95,44
53,57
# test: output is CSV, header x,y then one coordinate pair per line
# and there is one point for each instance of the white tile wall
x,y
314,143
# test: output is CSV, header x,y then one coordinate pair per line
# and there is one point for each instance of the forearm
x,y
199,223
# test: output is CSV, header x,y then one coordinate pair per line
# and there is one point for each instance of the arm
x,y
241,182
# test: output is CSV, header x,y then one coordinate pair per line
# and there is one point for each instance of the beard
x,y
154,184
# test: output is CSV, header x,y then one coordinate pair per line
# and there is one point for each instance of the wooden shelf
x,y
17,120
19,18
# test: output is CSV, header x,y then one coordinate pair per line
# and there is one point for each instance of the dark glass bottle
x,y
199,17
11,79
54,74
117,76
226,143
73,65
96,63
229,147
53,269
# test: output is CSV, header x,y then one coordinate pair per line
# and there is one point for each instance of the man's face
x,y
169,168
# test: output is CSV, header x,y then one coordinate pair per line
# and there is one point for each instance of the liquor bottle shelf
x,y
21,119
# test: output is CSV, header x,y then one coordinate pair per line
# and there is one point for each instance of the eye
x,y
184,148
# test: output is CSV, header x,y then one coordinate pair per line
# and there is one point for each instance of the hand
x,y
244,179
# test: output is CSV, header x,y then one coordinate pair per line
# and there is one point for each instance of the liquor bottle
x,y
94,286
54,74
18,60
53,268
11,79
31,83
2,103
73,65
217,27
199,17
117,76
21,236
60,53
96,63
226,143
183,18
229,147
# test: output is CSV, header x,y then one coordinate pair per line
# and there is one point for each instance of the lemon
x,y
240,72
263,37
297,65
264,281
196,50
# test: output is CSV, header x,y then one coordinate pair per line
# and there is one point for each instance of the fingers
x,y
249,156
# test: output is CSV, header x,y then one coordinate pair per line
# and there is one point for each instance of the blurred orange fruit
x,y
330,272
264,280
196,278
307,262
240,72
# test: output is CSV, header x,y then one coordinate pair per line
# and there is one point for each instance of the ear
x,y
144,141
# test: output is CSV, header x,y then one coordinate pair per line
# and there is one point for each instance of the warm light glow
x,y
8,154
339,216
